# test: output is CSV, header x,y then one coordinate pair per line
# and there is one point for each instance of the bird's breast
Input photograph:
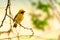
x,y
19,18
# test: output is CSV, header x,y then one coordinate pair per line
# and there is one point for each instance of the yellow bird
x,y
18,18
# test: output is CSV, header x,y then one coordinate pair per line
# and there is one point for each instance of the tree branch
x,y
5,14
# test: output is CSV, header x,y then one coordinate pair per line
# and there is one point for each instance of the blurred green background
x,y
40,16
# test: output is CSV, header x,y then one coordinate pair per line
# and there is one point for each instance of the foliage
x,y
43,7
33,3
40,24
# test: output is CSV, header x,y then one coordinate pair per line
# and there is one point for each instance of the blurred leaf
x,y
52,39
33,3
44,7
39,24
59,3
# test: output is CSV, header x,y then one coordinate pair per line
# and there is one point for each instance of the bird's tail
x,y
15,25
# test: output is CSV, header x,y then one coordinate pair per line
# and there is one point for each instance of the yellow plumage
x,y
18,18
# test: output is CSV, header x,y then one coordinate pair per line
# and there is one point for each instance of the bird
x,y
18,18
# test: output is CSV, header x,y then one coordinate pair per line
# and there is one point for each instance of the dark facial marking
x,y
22,12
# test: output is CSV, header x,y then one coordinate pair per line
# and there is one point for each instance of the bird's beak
x,y
24,11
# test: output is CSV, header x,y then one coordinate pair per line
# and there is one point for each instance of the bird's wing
x,y
15,16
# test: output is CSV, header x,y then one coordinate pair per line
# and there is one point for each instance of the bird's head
x,y
21,11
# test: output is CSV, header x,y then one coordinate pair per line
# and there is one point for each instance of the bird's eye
x,y
22,11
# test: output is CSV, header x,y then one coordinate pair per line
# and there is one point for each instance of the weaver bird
x,y
18,18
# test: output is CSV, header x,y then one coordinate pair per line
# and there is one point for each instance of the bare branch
x,y
5,13
28,29
10,30
24,27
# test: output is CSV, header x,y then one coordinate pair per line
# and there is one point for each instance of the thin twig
x,y
24,27
39,37
8,6
5,14
28,29
10,19
18,36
